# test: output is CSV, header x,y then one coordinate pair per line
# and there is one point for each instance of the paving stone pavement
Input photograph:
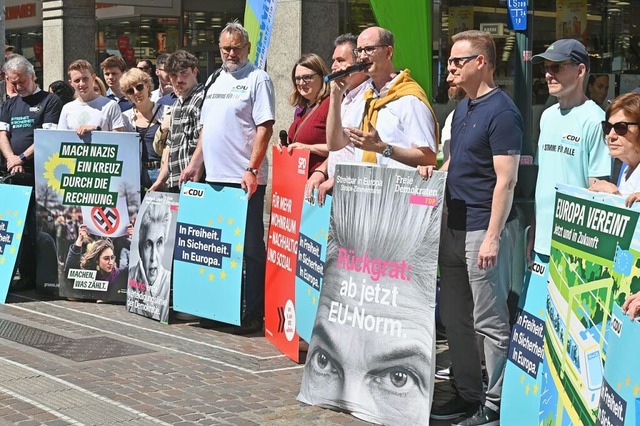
x,y
182,374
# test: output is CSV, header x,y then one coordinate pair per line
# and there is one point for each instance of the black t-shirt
x,y
21,115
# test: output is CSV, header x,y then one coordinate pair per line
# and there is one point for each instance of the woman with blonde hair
x,y
144,118
310,95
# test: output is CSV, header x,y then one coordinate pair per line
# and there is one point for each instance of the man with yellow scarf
x,y
398,126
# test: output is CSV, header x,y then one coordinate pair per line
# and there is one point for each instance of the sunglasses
x,y
621,128
556,67
139,88
460,61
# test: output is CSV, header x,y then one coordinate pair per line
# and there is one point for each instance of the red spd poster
x,y
289,179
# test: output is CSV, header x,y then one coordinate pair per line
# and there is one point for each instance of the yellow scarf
x,y
403,86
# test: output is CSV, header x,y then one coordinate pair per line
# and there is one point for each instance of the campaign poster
x,y
312,253
151,260
594,252
571,18
288,181
372,349
523,373
209,245
87,195
620,395
12,218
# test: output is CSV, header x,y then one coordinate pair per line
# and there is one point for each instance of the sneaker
x,y
484,416
444,374
454,408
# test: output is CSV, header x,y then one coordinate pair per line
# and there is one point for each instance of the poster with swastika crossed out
x,y
88,195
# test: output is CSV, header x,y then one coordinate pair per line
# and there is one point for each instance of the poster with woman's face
x,y
601,88
152,245
87,194
371,350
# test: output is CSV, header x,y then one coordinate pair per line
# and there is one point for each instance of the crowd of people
x,y
219,132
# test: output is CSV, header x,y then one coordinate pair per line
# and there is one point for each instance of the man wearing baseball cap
x,y
570,148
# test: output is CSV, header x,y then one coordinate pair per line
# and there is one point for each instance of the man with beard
x,y
238,113
184,127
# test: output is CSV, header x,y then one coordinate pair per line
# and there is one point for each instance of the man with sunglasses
x,y
237,122
570,148
398,127
478,234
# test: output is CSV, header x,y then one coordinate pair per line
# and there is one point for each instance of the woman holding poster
x,y
310,94
622,134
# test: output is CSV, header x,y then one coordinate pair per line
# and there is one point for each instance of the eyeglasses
x,y
228,49
108,258
461,61
621,128
306,78
556,67
139,88
368,50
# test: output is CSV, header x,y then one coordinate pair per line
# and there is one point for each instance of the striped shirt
x,y
184,131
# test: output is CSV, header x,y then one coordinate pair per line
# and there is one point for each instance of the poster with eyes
x,y
372,348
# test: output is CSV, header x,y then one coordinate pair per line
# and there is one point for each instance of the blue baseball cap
x,y
563,50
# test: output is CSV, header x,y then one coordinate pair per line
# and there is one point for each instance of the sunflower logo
x,y
55,167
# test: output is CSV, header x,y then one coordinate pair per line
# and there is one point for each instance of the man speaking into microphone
x,y
396,125
349,104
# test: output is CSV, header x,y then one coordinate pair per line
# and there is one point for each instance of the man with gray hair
x,y
238,113
31,109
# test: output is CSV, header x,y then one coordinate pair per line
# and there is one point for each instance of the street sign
x,y
517,14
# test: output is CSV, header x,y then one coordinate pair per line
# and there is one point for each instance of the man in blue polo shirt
x,y
478,235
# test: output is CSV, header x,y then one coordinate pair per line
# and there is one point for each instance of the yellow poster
x,y
460,19
571,18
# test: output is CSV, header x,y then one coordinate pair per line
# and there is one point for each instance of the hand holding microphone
x,y
360,66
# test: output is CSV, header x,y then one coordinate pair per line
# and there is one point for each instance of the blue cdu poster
x,y
207,259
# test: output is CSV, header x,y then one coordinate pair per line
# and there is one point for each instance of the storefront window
x,y
28,43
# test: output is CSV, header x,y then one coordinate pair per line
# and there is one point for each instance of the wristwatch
x,y
388,151
22,157
252,170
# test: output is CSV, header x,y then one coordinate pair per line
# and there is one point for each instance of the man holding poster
x,y
237,118
478,239
371,351
31,109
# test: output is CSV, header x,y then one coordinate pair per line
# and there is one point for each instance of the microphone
x,y
283,138
360,66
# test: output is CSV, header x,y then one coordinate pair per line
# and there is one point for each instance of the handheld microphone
x,y
360,66
283,138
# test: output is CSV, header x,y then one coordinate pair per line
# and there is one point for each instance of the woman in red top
x,y
310,95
